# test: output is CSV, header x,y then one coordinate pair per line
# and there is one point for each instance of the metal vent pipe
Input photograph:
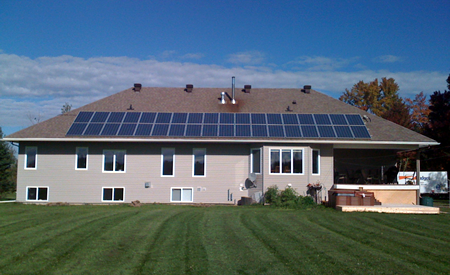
x,y
233,84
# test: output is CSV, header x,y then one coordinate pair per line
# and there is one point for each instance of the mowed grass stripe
x,y
51,248
177,246
381,242
164,239
232,248
116,247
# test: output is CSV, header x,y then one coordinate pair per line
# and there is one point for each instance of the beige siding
x,y
226,169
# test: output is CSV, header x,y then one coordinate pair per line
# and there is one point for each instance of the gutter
x,y
339,143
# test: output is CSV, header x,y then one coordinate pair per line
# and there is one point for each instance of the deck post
x,y
418,176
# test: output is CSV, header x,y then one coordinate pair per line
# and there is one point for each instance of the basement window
x,y
181,194
35,193
113,194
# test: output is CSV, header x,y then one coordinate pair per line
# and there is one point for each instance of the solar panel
x,y
226,118
360,132
338,119
322,119
309,131
292,131
195,118
77,129
179,118
219,124
209,130
93,129
177,130
258,118
193,130
132,117
84,117
290,119
100,117
306,119
211,118
274,119
127,129
243,130
276,131
354,119
116,117
163,117
143,130
242,118
259,130
147,118
343,132
160,129
110,129
226,130
326,131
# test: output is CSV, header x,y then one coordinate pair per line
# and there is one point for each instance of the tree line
x,y
428,117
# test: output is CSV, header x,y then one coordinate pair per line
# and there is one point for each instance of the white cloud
x,y
247,58
192,56
387,59
320,63
43,85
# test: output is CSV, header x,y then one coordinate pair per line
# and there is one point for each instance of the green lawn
x,y
162,239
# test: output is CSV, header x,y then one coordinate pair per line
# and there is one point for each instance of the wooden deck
x,y
390,208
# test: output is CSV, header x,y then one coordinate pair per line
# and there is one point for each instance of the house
x,y
206,145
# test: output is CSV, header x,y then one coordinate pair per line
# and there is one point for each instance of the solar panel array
x,y
347,126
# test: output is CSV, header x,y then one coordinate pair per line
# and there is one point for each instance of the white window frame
x,y
181,188
113,189
162,161
37,193
87,158
203,150
291,149
318,161
114,161
35,158
251,160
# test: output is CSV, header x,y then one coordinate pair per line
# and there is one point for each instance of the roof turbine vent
x,y
189,88
137,87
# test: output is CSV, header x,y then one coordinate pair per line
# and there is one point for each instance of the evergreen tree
x,y
7,167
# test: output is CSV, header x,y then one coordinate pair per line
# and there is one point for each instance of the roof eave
x,y
206,140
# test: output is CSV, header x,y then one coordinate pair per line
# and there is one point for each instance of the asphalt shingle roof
x,y
206,100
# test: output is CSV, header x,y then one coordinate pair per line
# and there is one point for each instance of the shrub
x,y
288,194
272,195
287,198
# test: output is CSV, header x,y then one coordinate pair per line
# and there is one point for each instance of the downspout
x,y
262,175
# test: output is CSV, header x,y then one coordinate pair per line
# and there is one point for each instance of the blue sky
x,y
52,52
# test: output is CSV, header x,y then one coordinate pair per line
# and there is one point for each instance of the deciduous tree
x,y
419,110
398,113
374,97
